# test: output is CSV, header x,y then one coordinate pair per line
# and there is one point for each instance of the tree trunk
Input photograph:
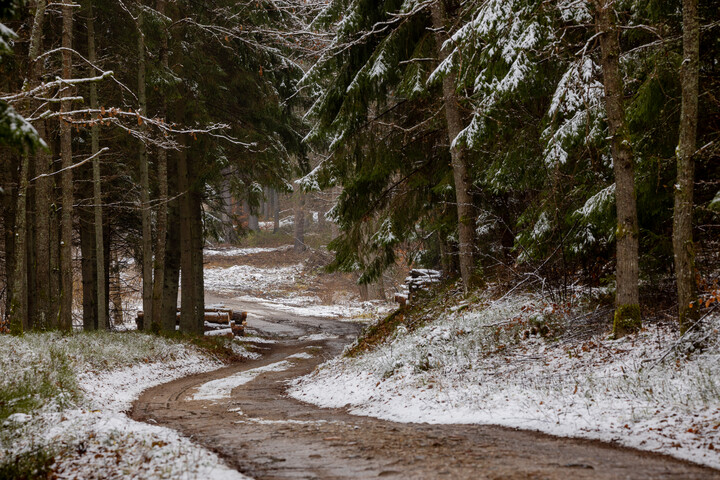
x,y
192,309
627,303
115,289
186,264
299,220
253,223
457,154
66,230
171,265
228,216
31,277
197,241
682,218
18,302
44,186
276,211
88,266
9,168
102,313
147,266
162,213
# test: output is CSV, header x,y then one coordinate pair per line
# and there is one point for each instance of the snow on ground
x,y
239,252
81,386
476,365
246,277
311,307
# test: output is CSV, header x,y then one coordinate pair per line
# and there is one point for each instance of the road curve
x,y
264,434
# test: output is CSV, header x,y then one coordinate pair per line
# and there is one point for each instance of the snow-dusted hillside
x,y
522,362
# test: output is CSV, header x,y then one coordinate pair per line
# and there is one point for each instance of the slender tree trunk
x,y
276,212
192,309
44,186
147,266
627,303
43,203
228,217
66,230
457,154
187,265
162,213
18,302
88,263
171,266
55,269
299,220
198,282
115,288
9,168
682,218
31,277
102,313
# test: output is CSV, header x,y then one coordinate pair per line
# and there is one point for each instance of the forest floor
x,y
422,393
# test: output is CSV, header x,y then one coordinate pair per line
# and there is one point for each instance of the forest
x,y
561,143
514,146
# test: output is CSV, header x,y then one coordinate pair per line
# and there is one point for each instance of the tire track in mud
x,y
266,435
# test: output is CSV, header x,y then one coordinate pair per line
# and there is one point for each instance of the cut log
x,y
216,319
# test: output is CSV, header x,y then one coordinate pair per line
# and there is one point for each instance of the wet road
x,y
266,435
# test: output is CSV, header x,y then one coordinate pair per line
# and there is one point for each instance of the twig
x,y
104,149
679,340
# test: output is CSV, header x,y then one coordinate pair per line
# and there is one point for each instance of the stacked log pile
x,y
218,321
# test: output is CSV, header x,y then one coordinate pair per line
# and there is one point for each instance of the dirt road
x,y
266,435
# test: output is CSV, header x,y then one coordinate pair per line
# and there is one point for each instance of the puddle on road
x,y
222,387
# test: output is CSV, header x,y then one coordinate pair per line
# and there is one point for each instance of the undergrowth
x,y
411,318
35,464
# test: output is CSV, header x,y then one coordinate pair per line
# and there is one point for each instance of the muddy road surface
x,y
242,413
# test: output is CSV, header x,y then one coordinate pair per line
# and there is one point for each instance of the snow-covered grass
x,y
306,306
519,362
246,277
62,404
240,252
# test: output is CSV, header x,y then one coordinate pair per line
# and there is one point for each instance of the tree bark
x,y
192,310
115,289
197,241
627,303
103,319
9,167
44,186
147,265
186,264
18,303
162,213
682,219
171,265
276,211
457,154
88,265
299,220
66,230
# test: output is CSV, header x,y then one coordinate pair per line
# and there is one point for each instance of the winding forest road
x,y
264,434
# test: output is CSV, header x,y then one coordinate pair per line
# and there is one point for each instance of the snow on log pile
x,y
70,394
516,362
